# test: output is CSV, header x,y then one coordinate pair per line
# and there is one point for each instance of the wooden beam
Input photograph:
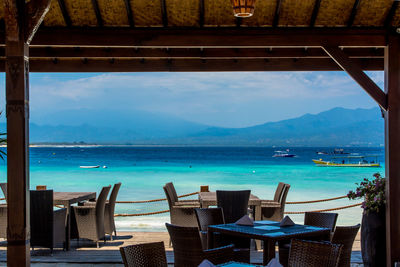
x,y
129,13
17,111
97,12
356,72
36,11
64,12
207,53
390,15
187,65
208,38
164,13
315,12
277,12
353,13
392,150
201,13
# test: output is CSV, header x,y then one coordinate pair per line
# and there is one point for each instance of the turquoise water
x,y
144,170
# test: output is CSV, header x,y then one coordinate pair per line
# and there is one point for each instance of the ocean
x,y
144,170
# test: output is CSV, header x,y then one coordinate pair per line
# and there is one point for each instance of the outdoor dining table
x,y
270,232
66,199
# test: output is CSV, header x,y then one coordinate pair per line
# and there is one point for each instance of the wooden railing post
x,y
392,149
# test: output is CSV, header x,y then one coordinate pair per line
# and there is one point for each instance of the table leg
x,y
257,217
269,251
68,229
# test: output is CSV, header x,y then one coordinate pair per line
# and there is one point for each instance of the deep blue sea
x,y
144,170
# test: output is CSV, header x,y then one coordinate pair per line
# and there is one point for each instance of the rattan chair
x,y
188,250
314,254
47,225
214,216
144,255
273,210
171,188
345,235
90,219
4,189
3,221
318,219
181,212
109,222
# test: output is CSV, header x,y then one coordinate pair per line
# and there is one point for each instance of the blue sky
x,y
228,99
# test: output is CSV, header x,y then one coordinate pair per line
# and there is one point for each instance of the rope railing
x,y
316,201
154,200
325,210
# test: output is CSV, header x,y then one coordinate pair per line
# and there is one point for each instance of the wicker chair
x,y
90,219
345,235
188,250
3,221
144,255
273,210
314,254
235,205
170,186
318,219
214,216
181,212
47,225
4,189
109,222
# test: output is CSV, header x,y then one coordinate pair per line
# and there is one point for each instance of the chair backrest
x,y
100,206
321,219
209,216
169,197
188,250
113,197
284,196
3,220
41,217
279,191
313,254
345,235
146,255
4,189
233,203
174,196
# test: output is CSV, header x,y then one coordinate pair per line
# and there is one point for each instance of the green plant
x,y
373,192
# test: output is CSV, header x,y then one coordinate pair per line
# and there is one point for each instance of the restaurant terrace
x,y
194,35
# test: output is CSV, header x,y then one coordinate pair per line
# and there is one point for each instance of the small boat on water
x,y
349,161
283,154
90,167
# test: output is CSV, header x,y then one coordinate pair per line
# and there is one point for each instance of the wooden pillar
x,y
17,97
392,148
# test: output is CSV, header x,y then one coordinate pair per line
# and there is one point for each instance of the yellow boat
x,y
348,162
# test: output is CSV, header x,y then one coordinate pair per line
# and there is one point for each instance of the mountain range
x,y
335,127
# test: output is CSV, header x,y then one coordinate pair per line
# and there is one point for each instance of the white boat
x,y
283,154
90,167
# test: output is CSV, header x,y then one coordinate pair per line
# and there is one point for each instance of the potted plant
x,y
373,226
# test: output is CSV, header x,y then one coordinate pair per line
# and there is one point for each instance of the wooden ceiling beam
x,y
356,72
315,12
188,65
96,52
277,13
201,13
36,11
391,13
353,13
206,38
97,12
129,13
64,12
164,13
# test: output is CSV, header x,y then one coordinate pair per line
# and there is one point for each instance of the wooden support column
x,y
17,97
22,20
392,149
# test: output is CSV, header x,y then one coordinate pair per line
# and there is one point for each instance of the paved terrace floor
x,y
85,253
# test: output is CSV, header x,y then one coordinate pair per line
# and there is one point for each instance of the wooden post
x,y
392,148
17,92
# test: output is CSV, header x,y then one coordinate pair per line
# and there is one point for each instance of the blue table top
x,y
236,264
268,229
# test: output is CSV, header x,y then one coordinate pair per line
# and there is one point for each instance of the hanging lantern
x,y
243,8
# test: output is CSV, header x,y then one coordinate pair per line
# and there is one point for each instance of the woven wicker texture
x,y
218,13
294,12
263,14
345,235
313,254
188,250
81,12
268,211
146,12
113,12
3,221
334,12
144,255
183,13
4,189
372,12
54,16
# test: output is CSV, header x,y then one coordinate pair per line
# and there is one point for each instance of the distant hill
x,y
335,127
